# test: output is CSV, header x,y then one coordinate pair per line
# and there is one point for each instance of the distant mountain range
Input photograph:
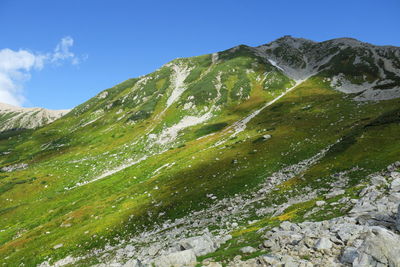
x,y
16,118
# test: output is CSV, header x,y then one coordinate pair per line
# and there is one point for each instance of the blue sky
x,y
77,48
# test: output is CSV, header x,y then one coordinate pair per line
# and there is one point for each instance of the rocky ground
x,y
369,235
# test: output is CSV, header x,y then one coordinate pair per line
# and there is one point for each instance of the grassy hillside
x,y
131,158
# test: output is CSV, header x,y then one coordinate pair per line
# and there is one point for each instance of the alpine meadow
x,y
284,154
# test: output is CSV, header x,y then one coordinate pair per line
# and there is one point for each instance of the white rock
x,y
214,264
58,246
395,185
320,203
323,244
133,263
395,175
378,180
380,248
180,258
270,260
248,249
349,255
288,261
398,219
335,193
286,225
267,136
200,245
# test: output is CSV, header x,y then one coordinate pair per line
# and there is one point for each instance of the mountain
x,y
207,157
351,66
14,118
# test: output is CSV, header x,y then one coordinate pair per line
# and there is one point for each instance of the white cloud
x,y
16,66
62,52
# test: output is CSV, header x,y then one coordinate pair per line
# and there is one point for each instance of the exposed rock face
x,y
181,258
300,58
398,219
367,236
14,167
323,244
133,263
12,117
248,249
380,248
200,245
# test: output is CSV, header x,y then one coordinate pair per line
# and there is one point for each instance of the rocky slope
x,y
209,158
367,236
15,118
371,72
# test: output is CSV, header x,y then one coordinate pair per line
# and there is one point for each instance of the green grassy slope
x,y
99,175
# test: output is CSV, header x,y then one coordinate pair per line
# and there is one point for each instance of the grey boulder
x,y
176,259
380,248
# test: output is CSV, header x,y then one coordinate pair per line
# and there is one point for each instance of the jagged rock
x,y
221,240
288,261
347,231
349,255
271,245
248,263
270,260
323,244
213,264
248,249
266,136
395,175
398,218
14,167
378,180
180,258
200,245
326,243
286,225
133,263
58,246
380,248
320,203
153,250
335,193
395,184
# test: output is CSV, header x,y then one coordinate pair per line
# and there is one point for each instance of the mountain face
x,y
206,158
14,118
371,72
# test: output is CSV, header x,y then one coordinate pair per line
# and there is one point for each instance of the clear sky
x,y
59,53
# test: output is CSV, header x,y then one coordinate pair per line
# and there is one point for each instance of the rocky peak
x,y
13,117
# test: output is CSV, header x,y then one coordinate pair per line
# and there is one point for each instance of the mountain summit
x,y
286,154
351,66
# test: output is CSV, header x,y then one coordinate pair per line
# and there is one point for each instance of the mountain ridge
x,y
16,118
171,157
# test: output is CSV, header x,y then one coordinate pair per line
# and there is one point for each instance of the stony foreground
x,y
368,236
